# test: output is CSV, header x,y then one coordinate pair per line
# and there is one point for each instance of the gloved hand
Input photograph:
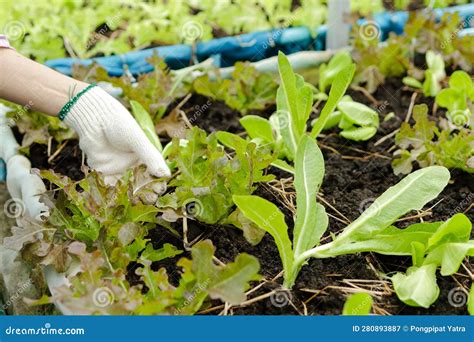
x,y
110,137
25,188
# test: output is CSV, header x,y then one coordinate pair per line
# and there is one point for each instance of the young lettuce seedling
x,y
427,144
372,231
356,120
294,104
447,247
311,218
458,99
328,72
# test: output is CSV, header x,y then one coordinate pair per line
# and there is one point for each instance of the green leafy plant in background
x,y
154,91
356,120
424,33
311,218
426,144
84,29
375,62
433,75
458,99
358,304
247,90
372,231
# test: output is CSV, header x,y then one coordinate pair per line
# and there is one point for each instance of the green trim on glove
x,y
67,107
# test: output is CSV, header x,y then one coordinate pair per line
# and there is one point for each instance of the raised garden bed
x,y
99,225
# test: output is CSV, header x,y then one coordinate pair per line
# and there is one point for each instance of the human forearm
x,y
26,82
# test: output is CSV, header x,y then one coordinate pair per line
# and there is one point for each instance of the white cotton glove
x,y
24,188
111,138
8,145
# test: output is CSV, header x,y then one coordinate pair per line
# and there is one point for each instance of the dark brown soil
x,y
356,173
212,116
67,163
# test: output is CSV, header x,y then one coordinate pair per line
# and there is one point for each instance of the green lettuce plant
x,y
83,29
207,177
446,249
96,288
289,124
458,99
434,74
356,120
101,231
426,144
329,71
247,90
395,57
372,231
432,245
